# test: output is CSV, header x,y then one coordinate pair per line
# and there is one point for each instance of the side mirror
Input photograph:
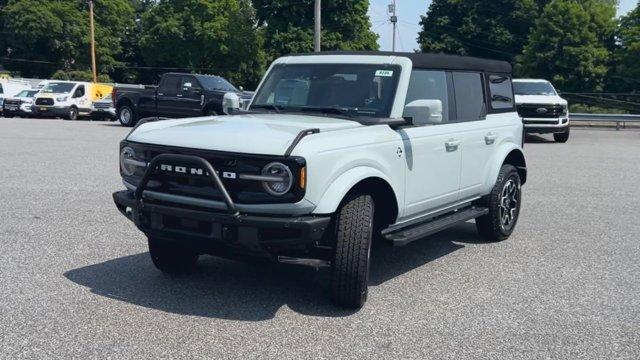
x,y
230,103
423,112
241,88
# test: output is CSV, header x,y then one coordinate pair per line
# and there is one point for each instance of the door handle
x,y
490,138
160,94
179,95
452,145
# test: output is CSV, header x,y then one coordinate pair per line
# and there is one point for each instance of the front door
x,y
432,151
192,98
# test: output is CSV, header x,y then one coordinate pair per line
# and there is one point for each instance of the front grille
x,y
540,111
241,191
101,105
12,102
44,101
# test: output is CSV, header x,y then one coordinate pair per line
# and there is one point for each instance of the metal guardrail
x,y
619,119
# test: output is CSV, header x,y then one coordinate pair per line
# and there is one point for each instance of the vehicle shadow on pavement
x,y
537,139
252,292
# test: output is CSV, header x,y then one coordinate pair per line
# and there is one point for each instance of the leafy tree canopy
x,y
627,72
496,29
570,44
289,25
216,36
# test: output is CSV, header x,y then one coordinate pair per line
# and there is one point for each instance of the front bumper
x,y
223,233
103,113
49,110
546,125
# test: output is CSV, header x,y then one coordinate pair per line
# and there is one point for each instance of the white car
x,y
19,105
335,150
542,110
10,88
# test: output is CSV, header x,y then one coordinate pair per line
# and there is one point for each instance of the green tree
x,y
495,29
627,71
44,36
570,44
218,36
288,25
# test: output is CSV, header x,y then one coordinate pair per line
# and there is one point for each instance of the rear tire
x,y
350,266
504,206
171,258
561,137
127,116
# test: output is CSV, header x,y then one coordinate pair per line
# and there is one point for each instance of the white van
x,y
68,99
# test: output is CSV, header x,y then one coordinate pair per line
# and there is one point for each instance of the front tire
x,y
171,258
561,137
73,114
350,266
504,206
127,116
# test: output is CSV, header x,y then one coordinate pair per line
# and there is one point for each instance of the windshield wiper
x,y
328,109
273,107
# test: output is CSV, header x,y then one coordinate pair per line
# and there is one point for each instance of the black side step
x,y
404,236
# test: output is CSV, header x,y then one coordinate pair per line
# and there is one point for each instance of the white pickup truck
x,y
335,150
542,110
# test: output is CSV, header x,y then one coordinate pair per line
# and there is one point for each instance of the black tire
x,y
350,266
126,115
73,114
171,258
492,226
562,137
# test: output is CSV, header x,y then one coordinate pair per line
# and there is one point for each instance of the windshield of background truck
x,y
359,90
533,88
216,83
27,93
58,88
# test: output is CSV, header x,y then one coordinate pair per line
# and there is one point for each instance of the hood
x,y
540,99
265,134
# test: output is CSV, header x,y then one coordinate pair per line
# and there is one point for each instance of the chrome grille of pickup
x,y
540,111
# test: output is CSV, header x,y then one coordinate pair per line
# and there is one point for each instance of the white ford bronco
x,y
335,150
543,111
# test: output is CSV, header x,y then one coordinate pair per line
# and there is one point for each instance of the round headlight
x,y
282,179
127,168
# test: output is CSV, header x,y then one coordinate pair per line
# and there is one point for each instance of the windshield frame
x,y
532,84
348,113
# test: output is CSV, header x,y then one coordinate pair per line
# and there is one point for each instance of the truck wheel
x,y
561,137
73,113
172,258
504,206
350,266
127,116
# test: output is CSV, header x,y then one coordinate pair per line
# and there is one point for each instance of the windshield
x,y
27,93
216,83
350,89
58,87
533,88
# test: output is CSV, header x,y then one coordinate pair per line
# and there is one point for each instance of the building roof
x,y
434,61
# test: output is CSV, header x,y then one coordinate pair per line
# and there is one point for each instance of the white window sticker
x,y
384,73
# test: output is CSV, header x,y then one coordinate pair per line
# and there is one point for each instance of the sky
x,y
409,12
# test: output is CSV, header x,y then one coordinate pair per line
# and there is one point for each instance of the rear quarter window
x,y
501,91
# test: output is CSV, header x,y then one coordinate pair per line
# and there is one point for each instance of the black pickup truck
x,y
177,96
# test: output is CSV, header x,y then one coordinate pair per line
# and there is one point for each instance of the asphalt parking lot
x,y
76,280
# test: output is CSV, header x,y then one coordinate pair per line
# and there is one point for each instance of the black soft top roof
x,y
434,61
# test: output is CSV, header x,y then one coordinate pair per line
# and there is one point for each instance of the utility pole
x,y
317,26
93,42
394,20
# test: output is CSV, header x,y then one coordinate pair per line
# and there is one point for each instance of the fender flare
x,y
496,163
340,187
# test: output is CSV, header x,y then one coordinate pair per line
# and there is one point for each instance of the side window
x,y
501,92
188,82
427,84
169,85
470,104
79,92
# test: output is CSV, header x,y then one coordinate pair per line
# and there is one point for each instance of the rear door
x,y
485,131
432,151
168,99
